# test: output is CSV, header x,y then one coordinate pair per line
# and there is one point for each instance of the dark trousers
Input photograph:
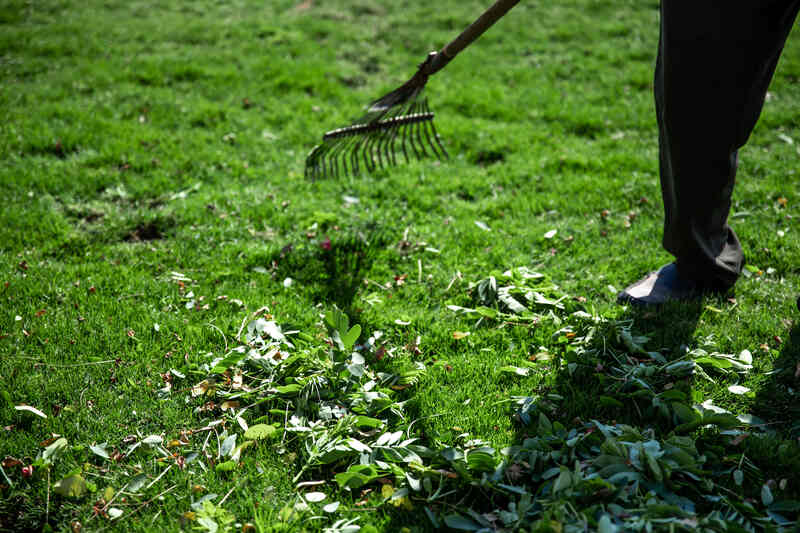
x,y
715,61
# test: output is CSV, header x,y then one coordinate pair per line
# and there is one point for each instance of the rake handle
x,y
436,63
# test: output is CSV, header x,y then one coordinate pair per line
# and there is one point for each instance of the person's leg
x,y
715,61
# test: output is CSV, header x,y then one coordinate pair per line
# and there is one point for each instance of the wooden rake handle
x,y
437,60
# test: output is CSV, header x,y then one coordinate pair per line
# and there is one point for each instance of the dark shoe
x,y
662,286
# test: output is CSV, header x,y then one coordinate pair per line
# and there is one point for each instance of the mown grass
x,y
144,139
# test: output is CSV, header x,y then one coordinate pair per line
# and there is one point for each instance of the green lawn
x,y
151,167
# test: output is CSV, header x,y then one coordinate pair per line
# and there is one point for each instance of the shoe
x,y
664,285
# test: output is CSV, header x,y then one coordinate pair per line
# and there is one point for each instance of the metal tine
x,y
357,140
390,149
377,135
311,162
379,140
376,148
347,157
438,140
319,159
330,158
409,133
388,144
429,131
337,153
418,131
336,157
368,161
401,130
427,134
366,152
419,153
360,153
319,165
385,146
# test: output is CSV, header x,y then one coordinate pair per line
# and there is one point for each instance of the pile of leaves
x,y
677,467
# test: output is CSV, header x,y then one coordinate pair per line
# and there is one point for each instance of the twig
x,y
239,333
285,422
221,333
366,280
226,496
10,483
419,270
159,476
47,507
205,442
151,500
456,277
408,431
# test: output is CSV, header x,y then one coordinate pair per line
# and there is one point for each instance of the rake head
x,y
395,127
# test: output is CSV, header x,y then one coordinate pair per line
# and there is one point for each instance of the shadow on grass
x,y
585,393
332,268
778,400
671,327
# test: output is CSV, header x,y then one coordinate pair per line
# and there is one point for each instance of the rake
x,y
399,123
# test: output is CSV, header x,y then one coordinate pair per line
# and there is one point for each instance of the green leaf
x,y
70,487
237,452
545,426
605,525
766,495
100,449
228,445
54,451
563,481
684,413
515,370
486,311
608,401
357,476
137,482
350,338
227,466
289,390
785,506
337,321
229,362
456,521
481,460
368,422
260,432
738,477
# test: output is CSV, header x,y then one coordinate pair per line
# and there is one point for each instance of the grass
x,y
151,173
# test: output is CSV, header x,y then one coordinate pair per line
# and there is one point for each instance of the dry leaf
x,y
201,388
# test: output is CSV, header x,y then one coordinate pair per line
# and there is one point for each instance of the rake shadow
x,y
333,269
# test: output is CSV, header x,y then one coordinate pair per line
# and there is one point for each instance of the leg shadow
x,y
778,400
333,268
609,386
